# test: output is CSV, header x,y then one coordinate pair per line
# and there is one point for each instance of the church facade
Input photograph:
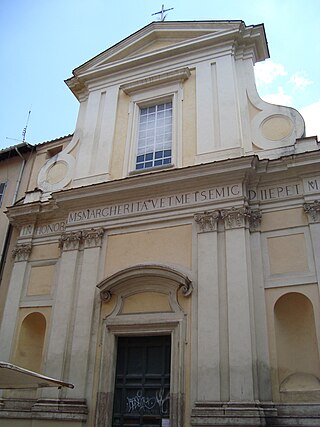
x,y
167,262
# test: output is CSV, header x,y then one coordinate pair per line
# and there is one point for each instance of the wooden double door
x,y
142,384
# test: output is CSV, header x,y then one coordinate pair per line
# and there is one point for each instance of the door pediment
x,y
145,277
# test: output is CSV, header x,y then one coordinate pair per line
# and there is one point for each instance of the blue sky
x,y
42,41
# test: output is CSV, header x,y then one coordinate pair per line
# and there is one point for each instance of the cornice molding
x,y
235,169
173,76
189,38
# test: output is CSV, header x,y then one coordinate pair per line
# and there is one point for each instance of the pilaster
x,y
240,343
312,209
81,341
62,314
259,320
20,254
208,308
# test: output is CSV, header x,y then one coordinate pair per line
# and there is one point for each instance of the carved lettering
x,y
165,202
274,192
45,229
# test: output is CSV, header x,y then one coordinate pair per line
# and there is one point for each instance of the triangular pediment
x,y
163,40
156,37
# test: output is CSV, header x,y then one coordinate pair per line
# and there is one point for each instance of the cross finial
x,y
163,16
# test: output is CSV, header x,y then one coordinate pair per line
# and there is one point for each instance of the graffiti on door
x,y
142,404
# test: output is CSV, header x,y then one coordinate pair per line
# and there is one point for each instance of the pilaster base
x,y
44,409
256,414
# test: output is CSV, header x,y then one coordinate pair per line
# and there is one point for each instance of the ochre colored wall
x,y
40,280
45,252
283,219
164,245
146,302
287,254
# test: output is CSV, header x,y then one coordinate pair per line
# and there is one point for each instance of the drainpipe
x,y
5,246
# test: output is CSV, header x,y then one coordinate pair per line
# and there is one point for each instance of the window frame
x,y
154,150
146,98
3,186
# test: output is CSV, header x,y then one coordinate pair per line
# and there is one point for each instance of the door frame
x,y
148,326
135,280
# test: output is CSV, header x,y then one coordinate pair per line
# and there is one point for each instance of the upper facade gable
x,y
172,95
159,40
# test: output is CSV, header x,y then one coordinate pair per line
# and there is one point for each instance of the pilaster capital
x,y
70,241
254,219
21,252
92,238
235,217
312,209
207,221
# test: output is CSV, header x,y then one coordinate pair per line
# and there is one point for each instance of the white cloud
x,y
311,115
266,72
278,98
300,81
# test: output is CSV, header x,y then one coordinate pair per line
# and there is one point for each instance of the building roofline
x,y
15,150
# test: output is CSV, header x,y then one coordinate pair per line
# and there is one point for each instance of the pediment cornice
x,y
162,40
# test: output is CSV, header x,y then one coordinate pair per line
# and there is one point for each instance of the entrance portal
x,y
142,384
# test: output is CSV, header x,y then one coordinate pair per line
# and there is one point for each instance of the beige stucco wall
x,y
285,218
287,254
146,302
45,252
40,280
170,246
43,153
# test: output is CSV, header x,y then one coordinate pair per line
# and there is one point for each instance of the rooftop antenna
x,y
24,131
163,16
